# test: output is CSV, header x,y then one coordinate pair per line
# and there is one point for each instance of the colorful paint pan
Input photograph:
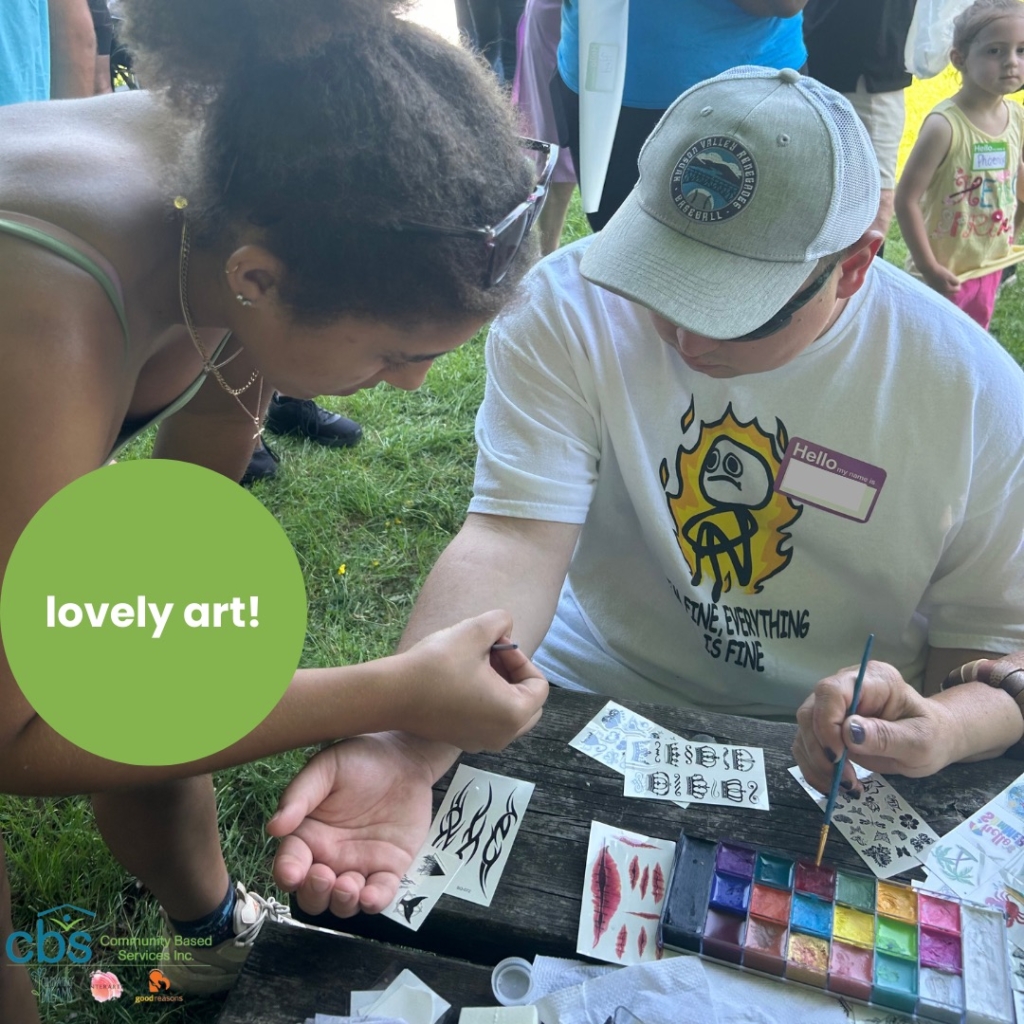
x,y
765,946
816,879
735,860
938,914
986,969
878,942
940,995
897,938
941,950
807,959
811,915
854,927
772,904
857,891
723,936
897,901
851,970
774,871
895,983
730,893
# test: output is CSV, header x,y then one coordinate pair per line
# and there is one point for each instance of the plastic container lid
x,y
512,981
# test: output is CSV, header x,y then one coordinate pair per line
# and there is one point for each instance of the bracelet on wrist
x,y
992,673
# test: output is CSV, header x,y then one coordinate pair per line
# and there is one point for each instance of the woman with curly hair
x,y
302,202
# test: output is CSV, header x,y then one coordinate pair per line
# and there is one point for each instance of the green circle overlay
x,y
171,533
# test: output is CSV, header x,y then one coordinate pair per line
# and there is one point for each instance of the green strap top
x,y
32,229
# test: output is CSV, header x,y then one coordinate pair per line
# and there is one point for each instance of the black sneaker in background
x,y
262,465
307,419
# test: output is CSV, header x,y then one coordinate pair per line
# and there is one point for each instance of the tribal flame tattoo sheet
x,y
623,893
614,735
422,886
477,822
890,836
706,773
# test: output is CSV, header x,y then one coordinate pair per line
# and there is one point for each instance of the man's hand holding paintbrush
x,y
896,730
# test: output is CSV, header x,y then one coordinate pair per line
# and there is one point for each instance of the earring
x,y
243,300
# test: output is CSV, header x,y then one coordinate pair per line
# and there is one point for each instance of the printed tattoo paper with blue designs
x,y
616,736
623,893
477,822
890,836
982,860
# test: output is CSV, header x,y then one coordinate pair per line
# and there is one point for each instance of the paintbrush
x,y
841,763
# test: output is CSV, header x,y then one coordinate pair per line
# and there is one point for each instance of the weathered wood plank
x,y
536,907
294,973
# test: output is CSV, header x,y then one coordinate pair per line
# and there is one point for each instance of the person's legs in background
x,y
552,217
977,297
509,13
882,114
17,1003
539,32
635,124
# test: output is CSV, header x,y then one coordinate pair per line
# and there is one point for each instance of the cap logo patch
x,y
714,179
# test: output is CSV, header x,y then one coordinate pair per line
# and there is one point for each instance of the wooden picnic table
x,y
293,972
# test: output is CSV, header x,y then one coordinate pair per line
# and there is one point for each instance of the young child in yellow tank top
x,y
957,200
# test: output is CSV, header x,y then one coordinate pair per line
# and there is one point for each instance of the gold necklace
x,y
211,368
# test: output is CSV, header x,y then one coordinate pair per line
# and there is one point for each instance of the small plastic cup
x,y
512,981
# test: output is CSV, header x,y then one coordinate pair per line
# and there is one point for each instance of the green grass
x,y
384,510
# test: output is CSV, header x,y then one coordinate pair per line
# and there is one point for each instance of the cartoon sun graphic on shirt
x,y
730,523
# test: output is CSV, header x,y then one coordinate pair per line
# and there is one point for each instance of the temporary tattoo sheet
x,y
887,833
616,735
623,893
422,886
477,822
707,773
983,856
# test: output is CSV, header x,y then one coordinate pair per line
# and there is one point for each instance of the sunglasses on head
x,y
785,315
503,241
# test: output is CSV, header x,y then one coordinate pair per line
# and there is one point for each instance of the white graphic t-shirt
x,y
742,537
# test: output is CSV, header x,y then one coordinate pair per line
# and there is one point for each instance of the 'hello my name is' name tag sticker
x,y
829,480
990,156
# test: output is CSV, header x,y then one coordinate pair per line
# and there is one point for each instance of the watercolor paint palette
x,y
874,941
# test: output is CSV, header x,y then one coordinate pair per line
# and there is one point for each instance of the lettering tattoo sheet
x,y
982,860
477,822
888,834
706,773
422,886
616,735
623,894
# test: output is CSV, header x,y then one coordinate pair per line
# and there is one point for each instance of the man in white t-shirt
x,y
731,518
720,444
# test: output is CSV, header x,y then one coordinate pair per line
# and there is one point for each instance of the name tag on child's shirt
x,y
990,156
829,480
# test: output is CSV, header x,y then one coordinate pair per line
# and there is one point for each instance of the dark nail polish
x,y
857,732
857,793
846,784
830,754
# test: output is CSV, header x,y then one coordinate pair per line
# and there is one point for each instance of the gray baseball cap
x,y
746,182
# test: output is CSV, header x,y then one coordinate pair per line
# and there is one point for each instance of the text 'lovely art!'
x,y
152,615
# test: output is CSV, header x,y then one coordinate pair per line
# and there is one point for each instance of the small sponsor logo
x,y
105,986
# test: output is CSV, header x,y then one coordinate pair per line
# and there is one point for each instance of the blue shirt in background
x,y
24,51
674,44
